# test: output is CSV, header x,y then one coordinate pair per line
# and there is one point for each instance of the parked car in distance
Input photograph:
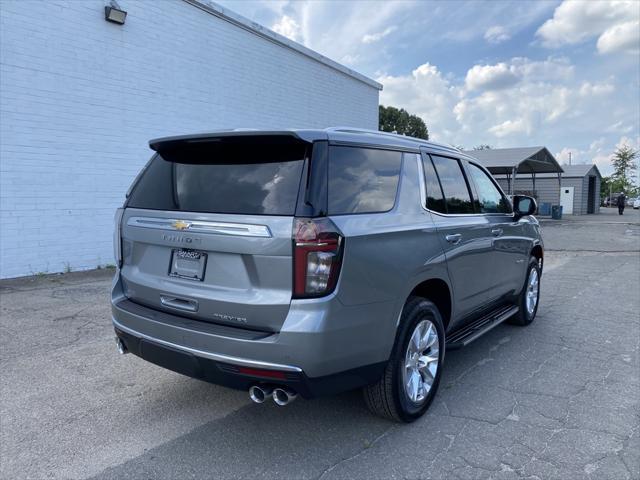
x,y
310,262
636,203
612,201
630,201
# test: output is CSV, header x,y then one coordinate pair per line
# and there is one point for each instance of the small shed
x,y
579,189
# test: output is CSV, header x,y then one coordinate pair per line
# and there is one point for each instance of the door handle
x,y
454,238
179,303
496,232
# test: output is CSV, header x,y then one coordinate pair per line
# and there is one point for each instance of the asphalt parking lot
x,y
558,399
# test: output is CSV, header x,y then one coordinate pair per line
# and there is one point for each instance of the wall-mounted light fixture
x,y
113,13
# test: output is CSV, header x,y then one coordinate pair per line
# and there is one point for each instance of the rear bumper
x,y
231,375
322,348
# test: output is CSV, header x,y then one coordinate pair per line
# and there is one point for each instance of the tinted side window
x,y
435,198
489,197
362,180
453,184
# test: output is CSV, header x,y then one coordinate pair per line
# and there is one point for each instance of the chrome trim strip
x,y
243,362
201,226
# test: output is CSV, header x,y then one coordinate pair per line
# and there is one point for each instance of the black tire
x,y
524,317
387,398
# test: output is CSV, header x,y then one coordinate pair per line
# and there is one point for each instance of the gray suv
x,y
310,262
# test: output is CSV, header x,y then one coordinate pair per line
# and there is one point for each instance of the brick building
x,y
80,97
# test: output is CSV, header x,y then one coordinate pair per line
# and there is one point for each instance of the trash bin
x,y
556,212
544,209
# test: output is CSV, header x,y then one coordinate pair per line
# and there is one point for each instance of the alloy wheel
x,y
421,361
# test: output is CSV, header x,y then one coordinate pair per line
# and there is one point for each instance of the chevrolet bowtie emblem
x,y
180,225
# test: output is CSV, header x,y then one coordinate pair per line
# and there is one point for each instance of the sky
x,y
563,74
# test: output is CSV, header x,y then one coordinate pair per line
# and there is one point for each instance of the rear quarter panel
x,y
387,255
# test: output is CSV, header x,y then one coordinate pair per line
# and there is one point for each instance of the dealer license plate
x,y
188,264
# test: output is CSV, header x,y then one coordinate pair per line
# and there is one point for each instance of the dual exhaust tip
x,y
258,393
122,348
281,395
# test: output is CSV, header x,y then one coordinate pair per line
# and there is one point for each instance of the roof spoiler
x,y
232,136
233,146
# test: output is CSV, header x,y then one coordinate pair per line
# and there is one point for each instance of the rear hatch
x,y
207,228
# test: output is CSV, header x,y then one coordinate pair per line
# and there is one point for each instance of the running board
x,y
479,327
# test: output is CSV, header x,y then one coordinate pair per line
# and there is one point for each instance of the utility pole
x,y
569,158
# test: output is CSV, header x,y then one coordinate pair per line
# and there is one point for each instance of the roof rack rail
x,y
388,134
366,130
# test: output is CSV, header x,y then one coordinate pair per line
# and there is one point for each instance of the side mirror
x,y
523,205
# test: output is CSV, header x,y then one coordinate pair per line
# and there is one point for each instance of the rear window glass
x,y
453,184
237,188
362,180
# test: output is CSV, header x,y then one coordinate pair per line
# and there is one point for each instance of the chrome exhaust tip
x,y
122,348
284,396
259,393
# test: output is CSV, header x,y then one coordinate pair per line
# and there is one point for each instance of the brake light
x,y
317,256
117,237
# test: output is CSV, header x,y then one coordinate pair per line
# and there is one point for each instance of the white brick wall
x,y
80,98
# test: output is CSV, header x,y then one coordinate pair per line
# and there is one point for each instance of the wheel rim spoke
x,y
425,337
421,361
533,290
415,340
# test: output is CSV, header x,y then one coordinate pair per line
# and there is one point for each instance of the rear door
x,y
207,230
465,235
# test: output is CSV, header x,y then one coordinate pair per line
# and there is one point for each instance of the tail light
x,y
317,256
117,237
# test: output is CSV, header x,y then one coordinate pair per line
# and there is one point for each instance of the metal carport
x,y
511,161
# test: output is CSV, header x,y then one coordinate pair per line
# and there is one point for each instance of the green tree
x,y
609,186
624,166
398,120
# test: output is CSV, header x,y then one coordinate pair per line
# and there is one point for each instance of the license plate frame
x,y
188,264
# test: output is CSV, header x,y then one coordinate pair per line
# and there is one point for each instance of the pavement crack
x,y
356,455
72,316
452,441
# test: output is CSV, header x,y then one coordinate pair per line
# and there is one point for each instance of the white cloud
x,y
503,75
288,27
507,103
558,102
619,127
588,89
596,151
375,37
624,37
350,59
573,22
490,77
352,31
496,34
426,93
553,69
509,127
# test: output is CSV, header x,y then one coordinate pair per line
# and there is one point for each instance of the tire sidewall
x,y
528,318
407,409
